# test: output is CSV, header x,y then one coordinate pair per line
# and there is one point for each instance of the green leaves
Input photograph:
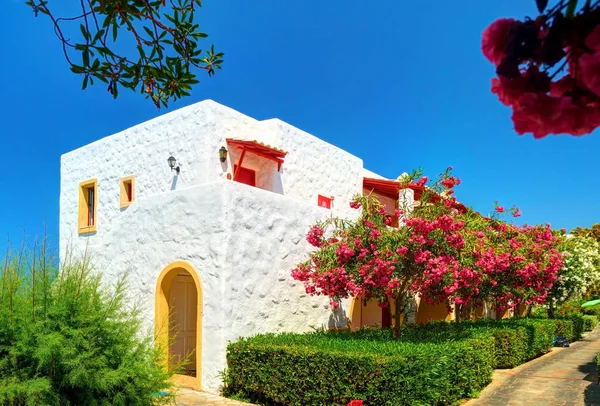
x,y
164,63
68,339
333,368
570,11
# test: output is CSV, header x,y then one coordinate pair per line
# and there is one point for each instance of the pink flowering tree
x,y
442,251
367,259
548,68
501,264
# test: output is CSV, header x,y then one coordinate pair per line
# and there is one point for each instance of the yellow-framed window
x,y
88,206
127,187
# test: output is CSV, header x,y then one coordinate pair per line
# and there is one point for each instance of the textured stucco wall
x,y
194,135
267,239
156,231
242,241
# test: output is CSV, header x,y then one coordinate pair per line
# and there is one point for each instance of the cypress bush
x,y
68,339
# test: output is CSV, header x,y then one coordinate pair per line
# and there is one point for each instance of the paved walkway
x,y
187,397
563,377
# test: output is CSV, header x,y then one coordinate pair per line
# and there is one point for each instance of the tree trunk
x,y
399,302
551,311
487,308
457,314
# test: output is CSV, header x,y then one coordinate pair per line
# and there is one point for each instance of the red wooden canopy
x,y
260,149
391,189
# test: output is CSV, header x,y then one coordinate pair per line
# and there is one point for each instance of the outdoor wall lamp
x,y
223,154
172,162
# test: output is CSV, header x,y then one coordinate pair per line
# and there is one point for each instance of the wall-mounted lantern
x,y
223,154
172,162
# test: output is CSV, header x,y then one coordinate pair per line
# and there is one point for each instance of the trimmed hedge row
x,y
516,341
589,322
572,328
598,366
331,369
434,364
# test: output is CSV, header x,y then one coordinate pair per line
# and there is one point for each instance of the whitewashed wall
x,y
243,241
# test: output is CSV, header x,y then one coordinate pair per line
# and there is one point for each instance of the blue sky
x,y
399,84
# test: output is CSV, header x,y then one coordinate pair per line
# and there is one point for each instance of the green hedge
x,y
333,369
433,364
540,336
598,366
590,322
572,328
594,311
516,341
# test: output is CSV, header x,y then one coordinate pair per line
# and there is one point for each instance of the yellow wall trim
x,y
83,226
161,313
126,199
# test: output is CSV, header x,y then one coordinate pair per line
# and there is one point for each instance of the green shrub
x,y
364,364
598,366
516,340
65,339
540,336
332,369
593,311
572,328
590,322
278,369
578,326
510,347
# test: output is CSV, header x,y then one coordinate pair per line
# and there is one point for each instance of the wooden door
x,y
183,307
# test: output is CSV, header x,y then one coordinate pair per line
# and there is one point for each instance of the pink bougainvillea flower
x,y
495,37
422,181
588,64
315,236
500,209
450,182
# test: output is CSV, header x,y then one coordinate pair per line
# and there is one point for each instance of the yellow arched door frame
x,y
161,314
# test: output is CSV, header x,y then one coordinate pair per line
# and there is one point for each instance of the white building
x,y
213,252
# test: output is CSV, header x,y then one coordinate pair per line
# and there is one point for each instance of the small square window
x,y
127,191
88,203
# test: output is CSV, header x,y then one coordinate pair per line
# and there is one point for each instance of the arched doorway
x,y
178,321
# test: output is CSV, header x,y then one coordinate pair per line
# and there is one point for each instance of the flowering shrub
x,y
440,251
524,53
581,272
502,263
